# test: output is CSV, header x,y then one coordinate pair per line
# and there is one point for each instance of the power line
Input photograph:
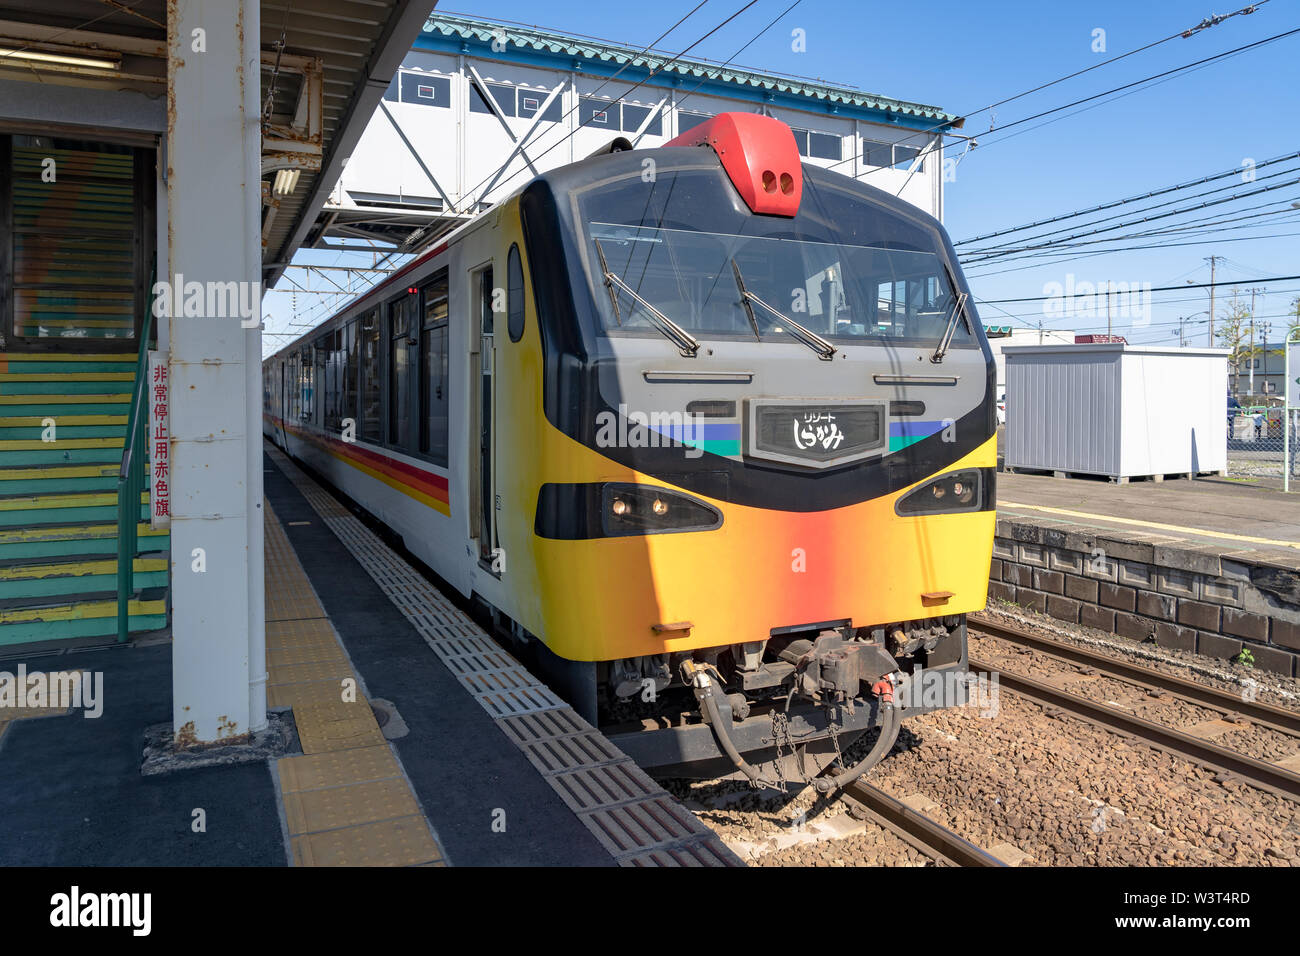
x,y
1189,285
997,253
654,72
1204,24
1114,204
718,72
1203,227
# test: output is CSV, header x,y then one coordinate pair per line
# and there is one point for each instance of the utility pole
x,y
1108,309
1252,339
1268,326
1213,259
1040,331
1182,339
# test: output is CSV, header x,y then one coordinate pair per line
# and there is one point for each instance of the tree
x,y
1233,332
1293,317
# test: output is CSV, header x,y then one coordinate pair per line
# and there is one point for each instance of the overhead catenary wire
x,y
1190,285
1119,203
321,308
652,73
1183,34
1207,226
977,256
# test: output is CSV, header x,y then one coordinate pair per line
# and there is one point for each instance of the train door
x,y
483,490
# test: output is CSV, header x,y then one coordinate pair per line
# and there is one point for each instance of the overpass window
x,y
426,89
502,93
530,101
371,411
434,383
825,146
593,111
634,116
818,145
877,154
903,156
687,120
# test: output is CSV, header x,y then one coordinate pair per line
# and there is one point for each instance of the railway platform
x,y
416,740
1210,565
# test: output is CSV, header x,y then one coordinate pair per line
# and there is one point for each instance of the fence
x,y
1256,445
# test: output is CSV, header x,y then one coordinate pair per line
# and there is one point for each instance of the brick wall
x,y
1198,598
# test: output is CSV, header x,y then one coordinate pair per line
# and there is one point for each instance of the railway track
x,y
1259,773
915,828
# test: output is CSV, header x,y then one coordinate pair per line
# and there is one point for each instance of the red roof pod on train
x,y
759,155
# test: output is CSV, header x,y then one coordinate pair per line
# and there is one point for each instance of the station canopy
x,y
325,66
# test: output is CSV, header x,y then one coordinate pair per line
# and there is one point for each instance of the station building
x,y
160,165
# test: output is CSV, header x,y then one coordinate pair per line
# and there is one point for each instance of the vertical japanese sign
x,y
159,444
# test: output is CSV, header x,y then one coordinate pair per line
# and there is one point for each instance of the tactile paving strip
x,y
634,818
346,799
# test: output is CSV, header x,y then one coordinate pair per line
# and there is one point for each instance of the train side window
x,y
401,321
434,384
514,295
350,364
333,379
307,384
320,365
371,395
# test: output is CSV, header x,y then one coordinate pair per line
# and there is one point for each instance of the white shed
x,y
1122,411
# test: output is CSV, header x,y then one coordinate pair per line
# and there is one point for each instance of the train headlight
x,y
952,493
649,510
571,512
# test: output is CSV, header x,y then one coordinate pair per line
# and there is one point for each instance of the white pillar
x,y
213,206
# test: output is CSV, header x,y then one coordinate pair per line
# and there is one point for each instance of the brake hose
x,y
889,729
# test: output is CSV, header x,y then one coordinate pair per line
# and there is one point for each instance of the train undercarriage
x,y
778,712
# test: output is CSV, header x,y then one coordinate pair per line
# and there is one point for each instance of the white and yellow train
x,y
710,432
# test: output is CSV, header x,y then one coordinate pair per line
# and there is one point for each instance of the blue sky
x,y
962,55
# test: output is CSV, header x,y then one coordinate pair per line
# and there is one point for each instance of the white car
x,y
1002,409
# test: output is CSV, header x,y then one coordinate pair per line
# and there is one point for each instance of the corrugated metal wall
x,y
1063,412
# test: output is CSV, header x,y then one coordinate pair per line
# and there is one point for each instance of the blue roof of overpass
x,y
533,46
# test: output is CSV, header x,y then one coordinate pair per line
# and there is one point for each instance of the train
x,y
705,433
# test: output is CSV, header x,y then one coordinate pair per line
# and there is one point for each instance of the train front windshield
x,y
686,245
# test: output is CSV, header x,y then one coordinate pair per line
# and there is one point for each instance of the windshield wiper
x,y
825,350
958,312
685,342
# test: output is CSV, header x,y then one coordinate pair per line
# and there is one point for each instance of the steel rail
x,y
1275,718
915,828
1258,773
